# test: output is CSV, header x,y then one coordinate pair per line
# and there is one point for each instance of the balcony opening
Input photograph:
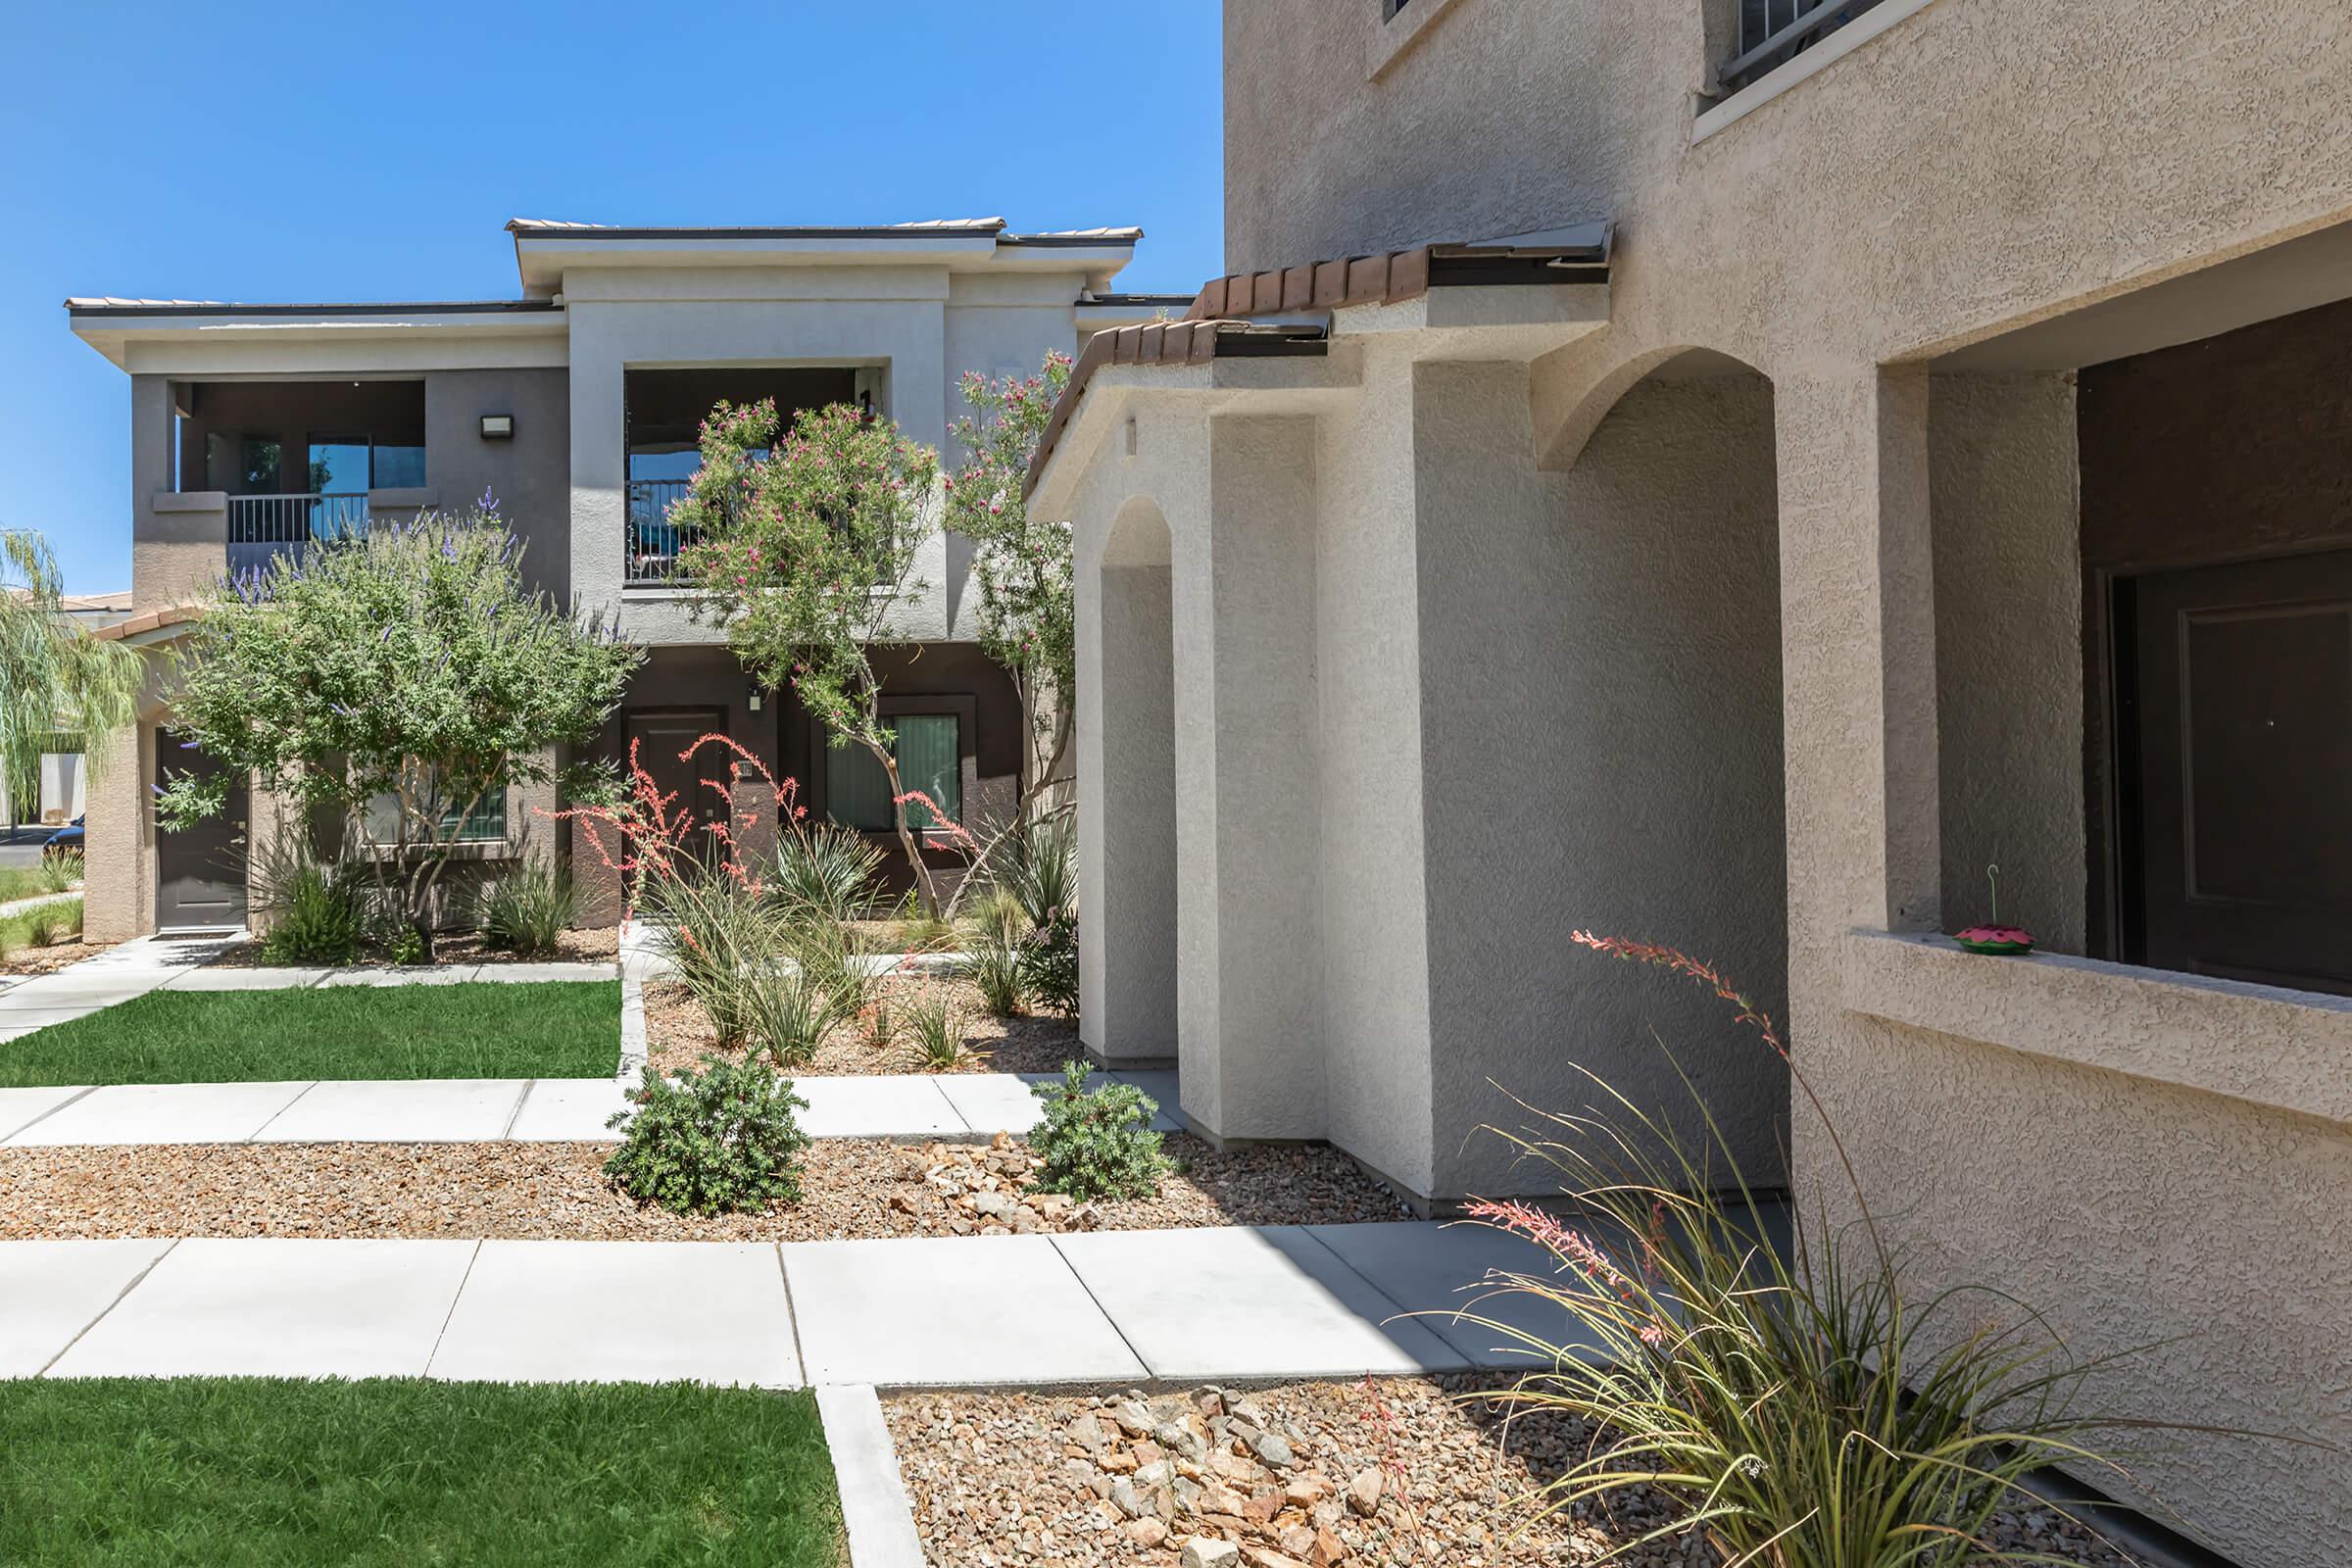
x,y
1773,33
665,411
298,459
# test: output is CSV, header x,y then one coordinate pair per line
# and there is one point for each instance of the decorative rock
x,y
1327,1549
1298,1539
1207,1552
1364,1493
1261,1508
1187,1437
1087,1432
1128,1500
1133,1418
1306,1489
1260,1557
1272,1450
1147,1533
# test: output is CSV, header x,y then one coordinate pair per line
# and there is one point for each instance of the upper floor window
x,y
1773,32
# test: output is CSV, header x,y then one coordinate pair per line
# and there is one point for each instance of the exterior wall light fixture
x,y
498,427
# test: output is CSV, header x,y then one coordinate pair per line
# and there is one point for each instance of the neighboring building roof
x,y
111,305
545,247
559,229
147,620
1224,308
120,599
1147,302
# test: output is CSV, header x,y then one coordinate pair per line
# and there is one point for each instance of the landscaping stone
x,y
678,1034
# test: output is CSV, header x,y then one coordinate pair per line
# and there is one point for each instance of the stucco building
x,y
257,429
1729,490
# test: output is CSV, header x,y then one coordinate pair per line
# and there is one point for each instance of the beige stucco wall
x,y
1981,166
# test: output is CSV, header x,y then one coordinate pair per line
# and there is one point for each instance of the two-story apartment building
x,y
257,430
1726,474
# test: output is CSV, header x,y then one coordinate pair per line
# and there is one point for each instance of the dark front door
x,y
2242,698
661,736
200,873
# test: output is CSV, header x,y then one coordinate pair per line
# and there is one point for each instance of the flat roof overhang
x,y
544,250
220,337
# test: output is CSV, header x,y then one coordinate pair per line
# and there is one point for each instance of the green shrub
x,y
1048,965
43,926
935,1028
1040,871
405,944
785,1014
840,972
60,870
826,871
321,915
530,911
721,1139
995,961
1097,1143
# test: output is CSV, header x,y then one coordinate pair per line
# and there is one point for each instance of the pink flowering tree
x,y
807,544
1023,566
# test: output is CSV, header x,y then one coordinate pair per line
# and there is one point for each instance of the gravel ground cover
x,y
459,950
49,960
263,1472
853,1189
678,1034
1376,1473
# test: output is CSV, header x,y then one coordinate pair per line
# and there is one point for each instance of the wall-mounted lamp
x,y
498,427
755,700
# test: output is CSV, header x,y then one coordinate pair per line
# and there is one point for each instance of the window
x,y
928,748
397,468
485,824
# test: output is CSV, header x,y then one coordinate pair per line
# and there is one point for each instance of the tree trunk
x,y
925,891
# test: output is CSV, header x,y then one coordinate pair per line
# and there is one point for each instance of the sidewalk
x,y
19,905
1109,1309
899,1107
125,970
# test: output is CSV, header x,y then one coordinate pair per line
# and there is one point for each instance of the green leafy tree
x,y
408,675
56,683
806,542
1023,563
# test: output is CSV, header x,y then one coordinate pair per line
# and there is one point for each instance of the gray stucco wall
x,y
1584,637
529,473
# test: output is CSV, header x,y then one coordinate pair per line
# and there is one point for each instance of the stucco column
x,y
119,868
1249,815
1858,678
1126,764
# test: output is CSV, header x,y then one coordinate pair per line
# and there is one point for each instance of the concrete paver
x,y
414,1111
983,1311
215,979
51,1291
278,1308
622,1312
897,1105
1247,1303
1439,1270
568,1110
21,1107
422,975
162,1113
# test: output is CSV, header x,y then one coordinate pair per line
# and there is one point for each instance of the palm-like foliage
x,y
54,681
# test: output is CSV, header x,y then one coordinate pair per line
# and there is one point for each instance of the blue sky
x,y
323,151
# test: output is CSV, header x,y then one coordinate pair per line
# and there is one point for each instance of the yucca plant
x,y
785,1014
529,910
716,932
1038,869
833,957
1798,1410
60,870
935,1029
995,961
826,871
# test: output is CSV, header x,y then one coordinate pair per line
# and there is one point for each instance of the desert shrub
x,y
935,1029
825,872
712,1142
715,932
841,974
530,911
994,960
785,1014
320,917
1048,969
1098,1142
1038,870
60,870
1797,1408
879,1024
43,926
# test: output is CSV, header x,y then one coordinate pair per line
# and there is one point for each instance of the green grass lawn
x,y
554,1029
237,1473
16,930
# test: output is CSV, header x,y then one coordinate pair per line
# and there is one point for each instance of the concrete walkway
x,y
902,1107
125,970
1110,1308
19,905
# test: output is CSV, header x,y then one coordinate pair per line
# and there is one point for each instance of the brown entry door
x,y
2243,700
200,870
659,736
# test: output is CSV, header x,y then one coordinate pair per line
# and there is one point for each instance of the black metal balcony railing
x,y
654,541
263,526
1773,32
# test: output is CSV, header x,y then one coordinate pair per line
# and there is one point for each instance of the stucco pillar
x,y
119,868
1859,674
1248,816
1126,763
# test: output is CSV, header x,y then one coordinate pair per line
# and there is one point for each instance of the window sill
x,y
2263,1044
1831,49
1393,37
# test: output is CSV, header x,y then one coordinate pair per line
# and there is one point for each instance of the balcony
x,y
1773,32
653,542
263,526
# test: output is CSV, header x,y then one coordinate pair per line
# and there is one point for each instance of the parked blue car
x,y
68,837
